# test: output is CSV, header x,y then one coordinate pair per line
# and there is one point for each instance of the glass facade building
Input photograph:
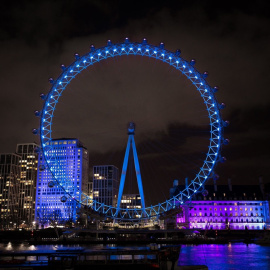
x,y
9,189
131,201
53,205
27,184
105,184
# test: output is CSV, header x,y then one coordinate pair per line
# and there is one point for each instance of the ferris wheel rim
x,y
127,47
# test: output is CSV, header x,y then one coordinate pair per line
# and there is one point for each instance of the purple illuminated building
x,y
222,207
53,205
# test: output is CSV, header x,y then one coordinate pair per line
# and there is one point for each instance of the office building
x,y
9,188
53,205
27,184
131,201
105,184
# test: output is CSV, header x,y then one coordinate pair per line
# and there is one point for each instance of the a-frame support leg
x,y
131,142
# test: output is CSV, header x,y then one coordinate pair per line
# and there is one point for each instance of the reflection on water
x,y
235,256
9,246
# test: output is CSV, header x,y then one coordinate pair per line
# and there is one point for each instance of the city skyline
x,y
231,44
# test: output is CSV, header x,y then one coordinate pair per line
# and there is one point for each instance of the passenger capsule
x,y
92,48
205,74
215,89
63,67
42,167
50,184
51,80
144,41
177,52
215,177
226,141
37,150
161,45
126,40
193,62
222,159
109,43
77,56
42,96
37,113
225,123
222,106
35,131
63,199
205,192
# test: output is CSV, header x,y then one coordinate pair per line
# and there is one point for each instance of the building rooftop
x,y
225,192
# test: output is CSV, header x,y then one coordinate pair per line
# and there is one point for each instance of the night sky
x,y
229,40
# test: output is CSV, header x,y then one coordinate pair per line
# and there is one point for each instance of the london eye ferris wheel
x,y
173,59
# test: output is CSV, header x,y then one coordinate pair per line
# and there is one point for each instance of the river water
x,y
235,256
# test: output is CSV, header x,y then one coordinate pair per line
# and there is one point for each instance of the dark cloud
x,y
229,40
175,153
248,154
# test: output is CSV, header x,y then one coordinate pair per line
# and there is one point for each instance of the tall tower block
x,y
52,202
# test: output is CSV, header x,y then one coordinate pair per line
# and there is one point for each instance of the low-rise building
x,y
222,207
